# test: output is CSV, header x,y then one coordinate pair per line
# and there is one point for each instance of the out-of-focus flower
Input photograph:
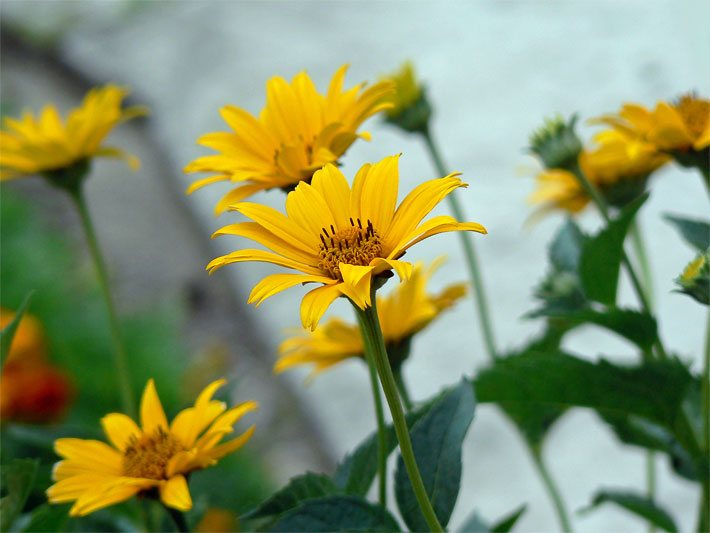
x,y
410,108
341,237
556,143
404,312
33,392
297,133
62,150
28,344
218,521
153,457
695,279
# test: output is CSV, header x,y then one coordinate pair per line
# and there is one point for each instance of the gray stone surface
x,y
494,69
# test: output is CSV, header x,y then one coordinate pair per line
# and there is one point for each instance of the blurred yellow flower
x,y
341,237
681,125
407,90
405,311
154,456
218,521
298,132
28,344
46,143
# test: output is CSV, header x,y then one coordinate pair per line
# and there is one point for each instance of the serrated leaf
x,y
602,253
639,505
507,523
566,248
299,489
48,519
336,513
437,440
355,474
17,480
695,232
8,332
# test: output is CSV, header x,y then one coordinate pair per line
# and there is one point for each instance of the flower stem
x,y
474,269
381,436
372,334
651,482
642,258
402,388
120,360
704,512
551,488
179,519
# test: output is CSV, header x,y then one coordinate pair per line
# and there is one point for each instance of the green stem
x,y
372,335
120,360
474,269
179,519
642,258
704,512
551,488
651,482
402,388
381,435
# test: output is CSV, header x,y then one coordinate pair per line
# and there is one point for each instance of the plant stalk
x,y
120,359
381,436
402,388
474,269
704,511
372,335
551,488
178,518
642,258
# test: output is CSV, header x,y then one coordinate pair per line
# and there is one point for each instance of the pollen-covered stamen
x,y
695,113
148,455
355,245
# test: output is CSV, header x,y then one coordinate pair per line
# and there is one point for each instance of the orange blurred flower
x,y
36,392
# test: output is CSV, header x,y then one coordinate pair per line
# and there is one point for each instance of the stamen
x,y
352,245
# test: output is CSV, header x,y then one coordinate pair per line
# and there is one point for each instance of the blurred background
x,y
493,70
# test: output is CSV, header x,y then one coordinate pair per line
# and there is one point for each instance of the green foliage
x,y
336,513
602,254
8,332
299,489
48,518
17,477
476,524
556,143
695,232
639,505
437,439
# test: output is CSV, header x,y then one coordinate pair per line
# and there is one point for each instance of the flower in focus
x,y
47,145
341,237
33,392
404,312
152,458
410,108
297,133
28,344
695,279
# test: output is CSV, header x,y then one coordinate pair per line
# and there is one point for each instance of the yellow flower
x,y
683,125
155,456
405,311
407,90
217,520
47,143
341,237
298,132
559,189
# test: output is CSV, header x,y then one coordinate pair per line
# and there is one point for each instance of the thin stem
x,y
704,511
179,519
474,269
371,331
120,359
381,435
402,388
551,489
651,482
642,258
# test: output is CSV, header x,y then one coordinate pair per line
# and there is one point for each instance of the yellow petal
x,y
237,195
241,256
379,193
120,429
356,283
279,225
333,187
228,447
206,181
315,303
92,453
174,493
275,283
71,488
152,414
104,496
402,268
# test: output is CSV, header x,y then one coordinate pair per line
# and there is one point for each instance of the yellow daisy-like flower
x,y
298,132
682,125
153,457
341,237
46,143
404,312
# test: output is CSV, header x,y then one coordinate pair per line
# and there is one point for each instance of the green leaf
x,y
474,524
636,504
336,513
506,523
17,480
48,519
602,254
566,248
437,440
354,475
299,489
695,232
8,332
639,328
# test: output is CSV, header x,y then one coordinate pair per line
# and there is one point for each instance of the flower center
x,y
695,113
356,245
148,456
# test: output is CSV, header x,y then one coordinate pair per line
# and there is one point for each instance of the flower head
x,y
47,144
153,457
341,237
297,133
410,108
404,312
695,279
33,392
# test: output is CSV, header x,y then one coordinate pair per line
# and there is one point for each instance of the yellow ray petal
x,y
152,414
257,233
237,195
175,494
241,256
206,181
275,283
334,189
307,208
402,268
315,303
71,488
279,225
120,429
378,197
93,453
